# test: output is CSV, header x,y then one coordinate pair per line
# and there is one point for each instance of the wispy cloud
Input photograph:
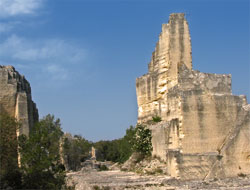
x,y
57,72
53,56
18,7
6,27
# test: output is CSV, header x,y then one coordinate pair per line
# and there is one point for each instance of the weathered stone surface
x,y
117,180
15,98
205,130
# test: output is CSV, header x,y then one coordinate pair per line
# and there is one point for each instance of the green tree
x,y
76,150
126,144
142,140
40,157
118,150
106,150
10,177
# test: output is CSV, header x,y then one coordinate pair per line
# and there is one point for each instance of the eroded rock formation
x,y
15,98
205,130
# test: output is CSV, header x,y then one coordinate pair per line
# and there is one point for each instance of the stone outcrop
x,y
16,100
205,130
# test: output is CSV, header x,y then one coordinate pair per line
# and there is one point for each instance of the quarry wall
x,y
205,130
16,99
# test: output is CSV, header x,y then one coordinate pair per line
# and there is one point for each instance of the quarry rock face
x,y
16,100
205,130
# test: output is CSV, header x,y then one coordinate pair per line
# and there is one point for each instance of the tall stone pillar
x,y
16,100
205,129
172,50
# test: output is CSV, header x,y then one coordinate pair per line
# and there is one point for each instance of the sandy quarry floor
x,y
119,180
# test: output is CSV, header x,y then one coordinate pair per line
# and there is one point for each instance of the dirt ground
x,y
119,180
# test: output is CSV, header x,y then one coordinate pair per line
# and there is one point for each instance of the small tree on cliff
x,y
156,119
41,166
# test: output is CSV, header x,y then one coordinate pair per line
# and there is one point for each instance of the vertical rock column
x,y
21,113
16,100
172,50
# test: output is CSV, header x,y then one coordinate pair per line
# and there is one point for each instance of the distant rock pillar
x,y
93,153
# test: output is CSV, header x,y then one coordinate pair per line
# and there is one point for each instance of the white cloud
x,y
37,50
53,56
18,7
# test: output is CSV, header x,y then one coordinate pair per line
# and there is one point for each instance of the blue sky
x,y
82,57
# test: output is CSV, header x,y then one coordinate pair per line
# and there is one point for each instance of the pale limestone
x,y
16,100
205,130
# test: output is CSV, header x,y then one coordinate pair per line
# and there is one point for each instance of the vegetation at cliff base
x,y
47,148
118,150
142,140
137,139
75,150
40,156
10,175
41,166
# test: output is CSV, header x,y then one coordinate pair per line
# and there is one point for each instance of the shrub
x,y
96,187
242,175
156,119
142,142
103,168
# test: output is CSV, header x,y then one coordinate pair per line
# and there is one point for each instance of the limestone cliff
x,y
205,130
15,98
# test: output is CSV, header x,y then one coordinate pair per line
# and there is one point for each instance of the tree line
x,y
39,166
47,153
